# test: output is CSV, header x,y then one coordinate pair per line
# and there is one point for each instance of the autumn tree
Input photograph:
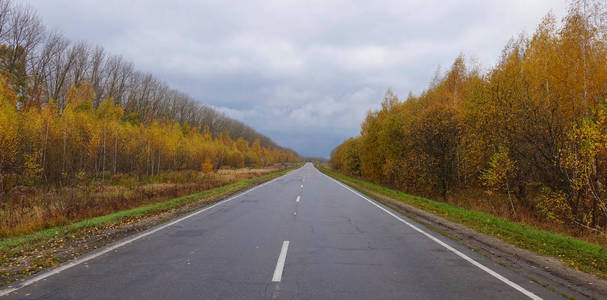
x,y
531,127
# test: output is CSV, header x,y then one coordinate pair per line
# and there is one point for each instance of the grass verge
x,y
581,255
39,250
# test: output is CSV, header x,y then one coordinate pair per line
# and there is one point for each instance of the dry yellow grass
x,y
498,205
26,210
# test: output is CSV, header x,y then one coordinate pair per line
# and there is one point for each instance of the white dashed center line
x,y
280,264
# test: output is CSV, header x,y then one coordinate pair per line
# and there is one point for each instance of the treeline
x,y
70,110
43,65
533,127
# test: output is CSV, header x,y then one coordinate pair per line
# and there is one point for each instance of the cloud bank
x,y
302,72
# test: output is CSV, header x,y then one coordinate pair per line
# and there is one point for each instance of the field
x,y
26,210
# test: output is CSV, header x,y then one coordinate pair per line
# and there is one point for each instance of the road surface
x,y
300,236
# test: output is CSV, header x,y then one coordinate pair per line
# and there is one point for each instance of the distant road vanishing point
x,y
302,235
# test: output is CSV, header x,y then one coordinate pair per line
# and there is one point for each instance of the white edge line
x,y
58,269
457,252
280,264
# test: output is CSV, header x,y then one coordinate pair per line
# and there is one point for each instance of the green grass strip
x,y
13,242
581,255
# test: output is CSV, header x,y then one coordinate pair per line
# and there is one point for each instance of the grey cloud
x,y
302,72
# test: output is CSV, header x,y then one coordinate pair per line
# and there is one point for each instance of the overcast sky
x,y
302,72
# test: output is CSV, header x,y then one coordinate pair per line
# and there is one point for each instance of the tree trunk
x,y
64,149
115,152
510,199
103,157
44,152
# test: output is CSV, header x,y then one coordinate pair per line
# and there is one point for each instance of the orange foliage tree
x,y
533,126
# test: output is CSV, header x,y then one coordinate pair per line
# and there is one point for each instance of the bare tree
x,y
96,72
81,63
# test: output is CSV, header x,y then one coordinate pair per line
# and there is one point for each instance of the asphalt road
x,y
301,236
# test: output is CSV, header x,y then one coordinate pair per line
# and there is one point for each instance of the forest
x,y
529,132
74,117
70,110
